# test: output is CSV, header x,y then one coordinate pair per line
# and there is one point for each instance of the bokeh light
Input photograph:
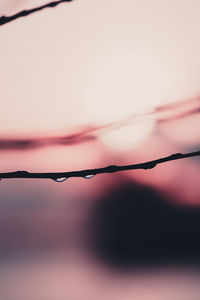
x,y
129,82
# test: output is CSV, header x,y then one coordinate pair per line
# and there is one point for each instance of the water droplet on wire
x,y
89,176
61,179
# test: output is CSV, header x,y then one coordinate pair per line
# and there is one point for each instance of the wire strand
x,y
6,19
89,173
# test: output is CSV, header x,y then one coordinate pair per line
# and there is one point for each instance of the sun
x,y
126,84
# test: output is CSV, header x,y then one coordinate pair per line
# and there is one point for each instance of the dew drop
x,y
60,179
89,176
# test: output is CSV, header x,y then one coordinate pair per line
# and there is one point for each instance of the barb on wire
x,y
90,173
24,13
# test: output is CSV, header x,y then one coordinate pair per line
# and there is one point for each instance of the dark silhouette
x,y
134,225
24,13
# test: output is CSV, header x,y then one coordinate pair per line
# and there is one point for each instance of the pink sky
x,y
84,63
55,62
90,62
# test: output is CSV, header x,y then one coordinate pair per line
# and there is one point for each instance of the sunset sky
x,y
63,67
87,63
103,67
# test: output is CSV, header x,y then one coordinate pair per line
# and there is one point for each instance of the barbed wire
x,y
6,19
90,173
